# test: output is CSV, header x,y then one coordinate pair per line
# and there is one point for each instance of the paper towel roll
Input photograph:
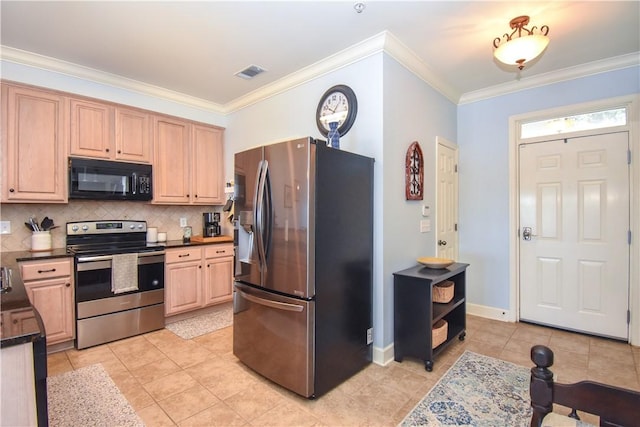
x,y
152,234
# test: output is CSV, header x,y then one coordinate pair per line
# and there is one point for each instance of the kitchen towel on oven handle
x,y
124,273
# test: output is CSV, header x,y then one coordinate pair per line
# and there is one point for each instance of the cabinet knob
x,y
68,284
11,190
119,151
15,321
107,150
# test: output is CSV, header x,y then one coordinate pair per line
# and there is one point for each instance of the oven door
x,y
94,275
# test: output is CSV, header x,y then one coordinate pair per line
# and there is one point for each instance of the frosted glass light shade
x,y
521,50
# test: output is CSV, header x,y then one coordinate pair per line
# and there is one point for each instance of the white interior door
x,y
447,201
574,225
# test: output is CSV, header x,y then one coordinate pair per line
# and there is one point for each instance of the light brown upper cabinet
x,y
207,165
187,163
104,131
34,145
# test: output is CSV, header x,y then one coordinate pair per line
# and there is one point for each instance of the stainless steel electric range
x,y
119,280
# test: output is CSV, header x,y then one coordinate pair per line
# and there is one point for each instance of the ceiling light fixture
x,y
518,48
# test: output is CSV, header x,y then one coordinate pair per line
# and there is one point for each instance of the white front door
x,y
574,225
447,200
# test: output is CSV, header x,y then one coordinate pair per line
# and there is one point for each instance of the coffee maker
x,y
211,224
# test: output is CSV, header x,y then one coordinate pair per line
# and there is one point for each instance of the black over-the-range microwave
x,y
107,180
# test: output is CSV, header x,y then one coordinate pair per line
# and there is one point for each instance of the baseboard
x,y
383,356
491,312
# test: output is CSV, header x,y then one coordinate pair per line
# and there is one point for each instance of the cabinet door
x,y
133,140
183,287
207,166
21,321
53,298
91,129
34,145
171,180
218,280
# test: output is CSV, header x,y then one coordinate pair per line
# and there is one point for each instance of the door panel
x,y
287,255
574,200
273,335
447,203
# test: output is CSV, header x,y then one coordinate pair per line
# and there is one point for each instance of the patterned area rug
x,y
476,391
203,324
88,397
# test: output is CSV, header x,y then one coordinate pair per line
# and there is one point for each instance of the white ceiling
x,y
194,48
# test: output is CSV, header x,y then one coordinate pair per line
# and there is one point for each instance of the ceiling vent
x,y
250,72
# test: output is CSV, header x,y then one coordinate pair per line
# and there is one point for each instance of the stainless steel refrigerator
x,y
303,287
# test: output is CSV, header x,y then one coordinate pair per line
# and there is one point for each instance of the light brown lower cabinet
x,y
49,286
197,277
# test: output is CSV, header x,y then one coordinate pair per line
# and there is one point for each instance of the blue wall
x,y
483,138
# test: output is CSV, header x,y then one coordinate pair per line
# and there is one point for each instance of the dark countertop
x,y
17,301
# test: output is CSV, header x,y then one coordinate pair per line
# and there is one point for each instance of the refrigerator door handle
x,y
269,303
259,213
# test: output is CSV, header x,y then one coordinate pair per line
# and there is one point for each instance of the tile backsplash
x,y
165,218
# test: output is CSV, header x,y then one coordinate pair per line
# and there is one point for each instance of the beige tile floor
x,y
174,382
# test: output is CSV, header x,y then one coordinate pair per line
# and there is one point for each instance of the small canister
x,y
162,237
41,241
152,234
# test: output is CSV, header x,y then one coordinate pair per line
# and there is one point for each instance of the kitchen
x,y
379,135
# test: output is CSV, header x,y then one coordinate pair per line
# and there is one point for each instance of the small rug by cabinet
x,y
222,317
476,391
88,397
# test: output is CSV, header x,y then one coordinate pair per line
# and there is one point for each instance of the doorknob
x,y
442,243
527,234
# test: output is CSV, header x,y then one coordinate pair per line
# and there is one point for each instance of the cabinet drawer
x,y
45,270
182,255
216,251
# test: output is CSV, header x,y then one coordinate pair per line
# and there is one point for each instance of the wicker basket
x,y
439,333
443,292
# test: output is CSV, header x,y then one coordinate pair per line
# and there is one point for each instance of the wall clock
x,y
338,104
414,172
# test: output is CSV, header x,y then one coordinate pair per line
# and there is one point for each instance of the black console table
x,y
415,314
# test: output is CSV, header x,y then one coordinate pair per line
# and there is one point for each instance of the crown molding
x,y
46,63
341,59
381,42
405,56
583,70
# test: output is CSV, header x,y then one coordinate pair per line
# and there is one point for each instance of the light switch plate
x,y
425,225
5,227
183,222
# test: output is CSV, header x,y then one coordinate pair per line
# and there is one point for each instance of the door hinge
x,y
628,157
455,168
628,317
629,237
455,227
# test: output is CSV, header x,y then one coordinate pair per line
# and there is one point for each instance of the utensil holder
x,y
41,241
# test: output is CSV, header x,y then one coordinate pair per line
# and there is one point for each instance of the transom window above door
x,y
574,123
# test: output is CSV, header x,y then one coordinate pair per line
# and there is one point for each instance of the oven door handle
x,y
95,258
110,257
